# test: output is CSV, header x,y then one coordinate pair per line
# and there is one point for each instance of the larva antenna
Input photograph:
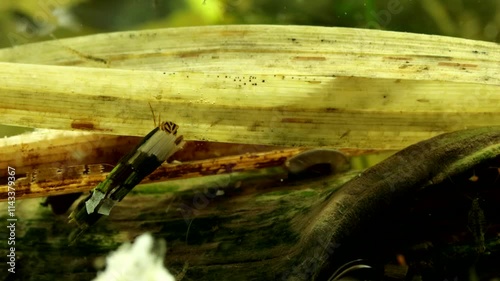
x,y
154,118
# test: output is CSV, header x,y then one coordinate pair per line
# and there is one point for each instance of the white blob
x,y
141,261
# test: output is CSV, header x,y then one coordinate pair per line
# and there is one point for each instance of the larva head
x,y
169,127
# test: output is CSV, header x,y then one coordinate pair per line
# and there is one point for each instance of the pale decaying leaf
x,y
278,85
258,84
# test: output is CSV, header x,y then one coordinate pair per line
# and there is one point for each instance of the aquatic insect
x,y
150,153
474,178
476,224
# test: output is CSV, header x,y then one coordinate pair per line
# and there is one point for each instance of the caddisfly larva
x,y
156,147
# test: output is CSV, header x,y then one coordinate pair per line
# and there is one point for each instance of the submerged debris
x,y
141,261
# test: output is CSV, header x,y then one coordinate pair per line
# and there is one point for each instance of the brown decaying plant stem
x,y
68,163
